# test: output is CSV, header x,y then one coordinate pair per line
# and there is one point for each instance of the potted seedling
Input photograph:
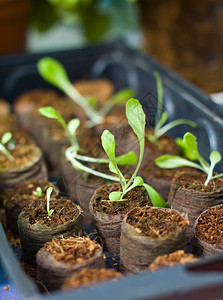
x,y
15,199
20,163
80,185
207,231
148,232
193,192
61,257
44,218
159,142
111,202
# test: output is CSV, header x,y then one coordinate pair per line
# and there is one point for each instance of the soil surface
x,y
136,197
210,226
22,155
155,223
88,277
195,181
72,250
64,211
172,259
20,195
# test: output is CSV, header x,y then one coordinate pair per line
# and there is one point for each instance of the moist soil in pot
x,y
208,230
108,215
36,227
15,199
148,232
58,259
88,277
189,195
179,257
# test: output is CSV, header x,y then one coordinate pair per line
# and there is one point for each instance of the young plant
x,y
48,194
160,127
53,72
136,119
38,192
6,137
191,150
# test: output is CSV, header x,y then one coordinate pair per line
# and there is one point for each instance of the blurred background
x,y
185,36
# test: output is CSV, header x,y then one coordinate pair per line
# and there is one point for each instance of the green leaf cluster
x,y
190,146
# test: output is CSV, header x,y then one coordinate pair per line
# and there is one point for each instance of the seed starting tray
x,y
126,68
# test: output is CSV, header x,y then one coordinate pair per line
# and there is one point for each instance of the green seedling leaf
x,y
184,151
161,121
6,137
49,112
112,168
129,158
38,192
167,161
92,101
72,126
138,181
48,195
108,143
53,72
115,196
190,143
156,199
136,118
215,157
123,95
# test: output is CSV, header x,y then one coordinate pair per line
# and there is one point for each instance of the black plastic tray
x,y
125,68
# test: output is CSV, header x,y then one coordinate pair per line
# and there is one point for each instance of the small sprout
x,y
6,137
189,143
161,127
54,72
48,194
38,192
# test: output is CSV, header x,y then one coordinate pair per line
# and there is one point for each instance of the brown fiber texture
x,y
52,273
138,251
192,202
33,237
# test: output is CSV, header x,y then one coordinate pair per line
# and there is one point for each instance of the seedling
x,y
161,127
53,72
191,148
38,192
136,119
48,194
6,137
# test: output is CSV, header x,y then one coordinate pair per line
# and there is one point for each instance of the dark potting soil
x,y
210,226
137,197
169,260
155,223
64,211
22,155
20,195
195,181
73,249
88,277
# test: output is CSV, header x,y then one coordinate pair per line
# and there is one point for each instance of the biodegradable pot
x,y
138,251
34,235
109,224
189,196
33,169
27,102
207,232
53,272
15,199
89,277
5,108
